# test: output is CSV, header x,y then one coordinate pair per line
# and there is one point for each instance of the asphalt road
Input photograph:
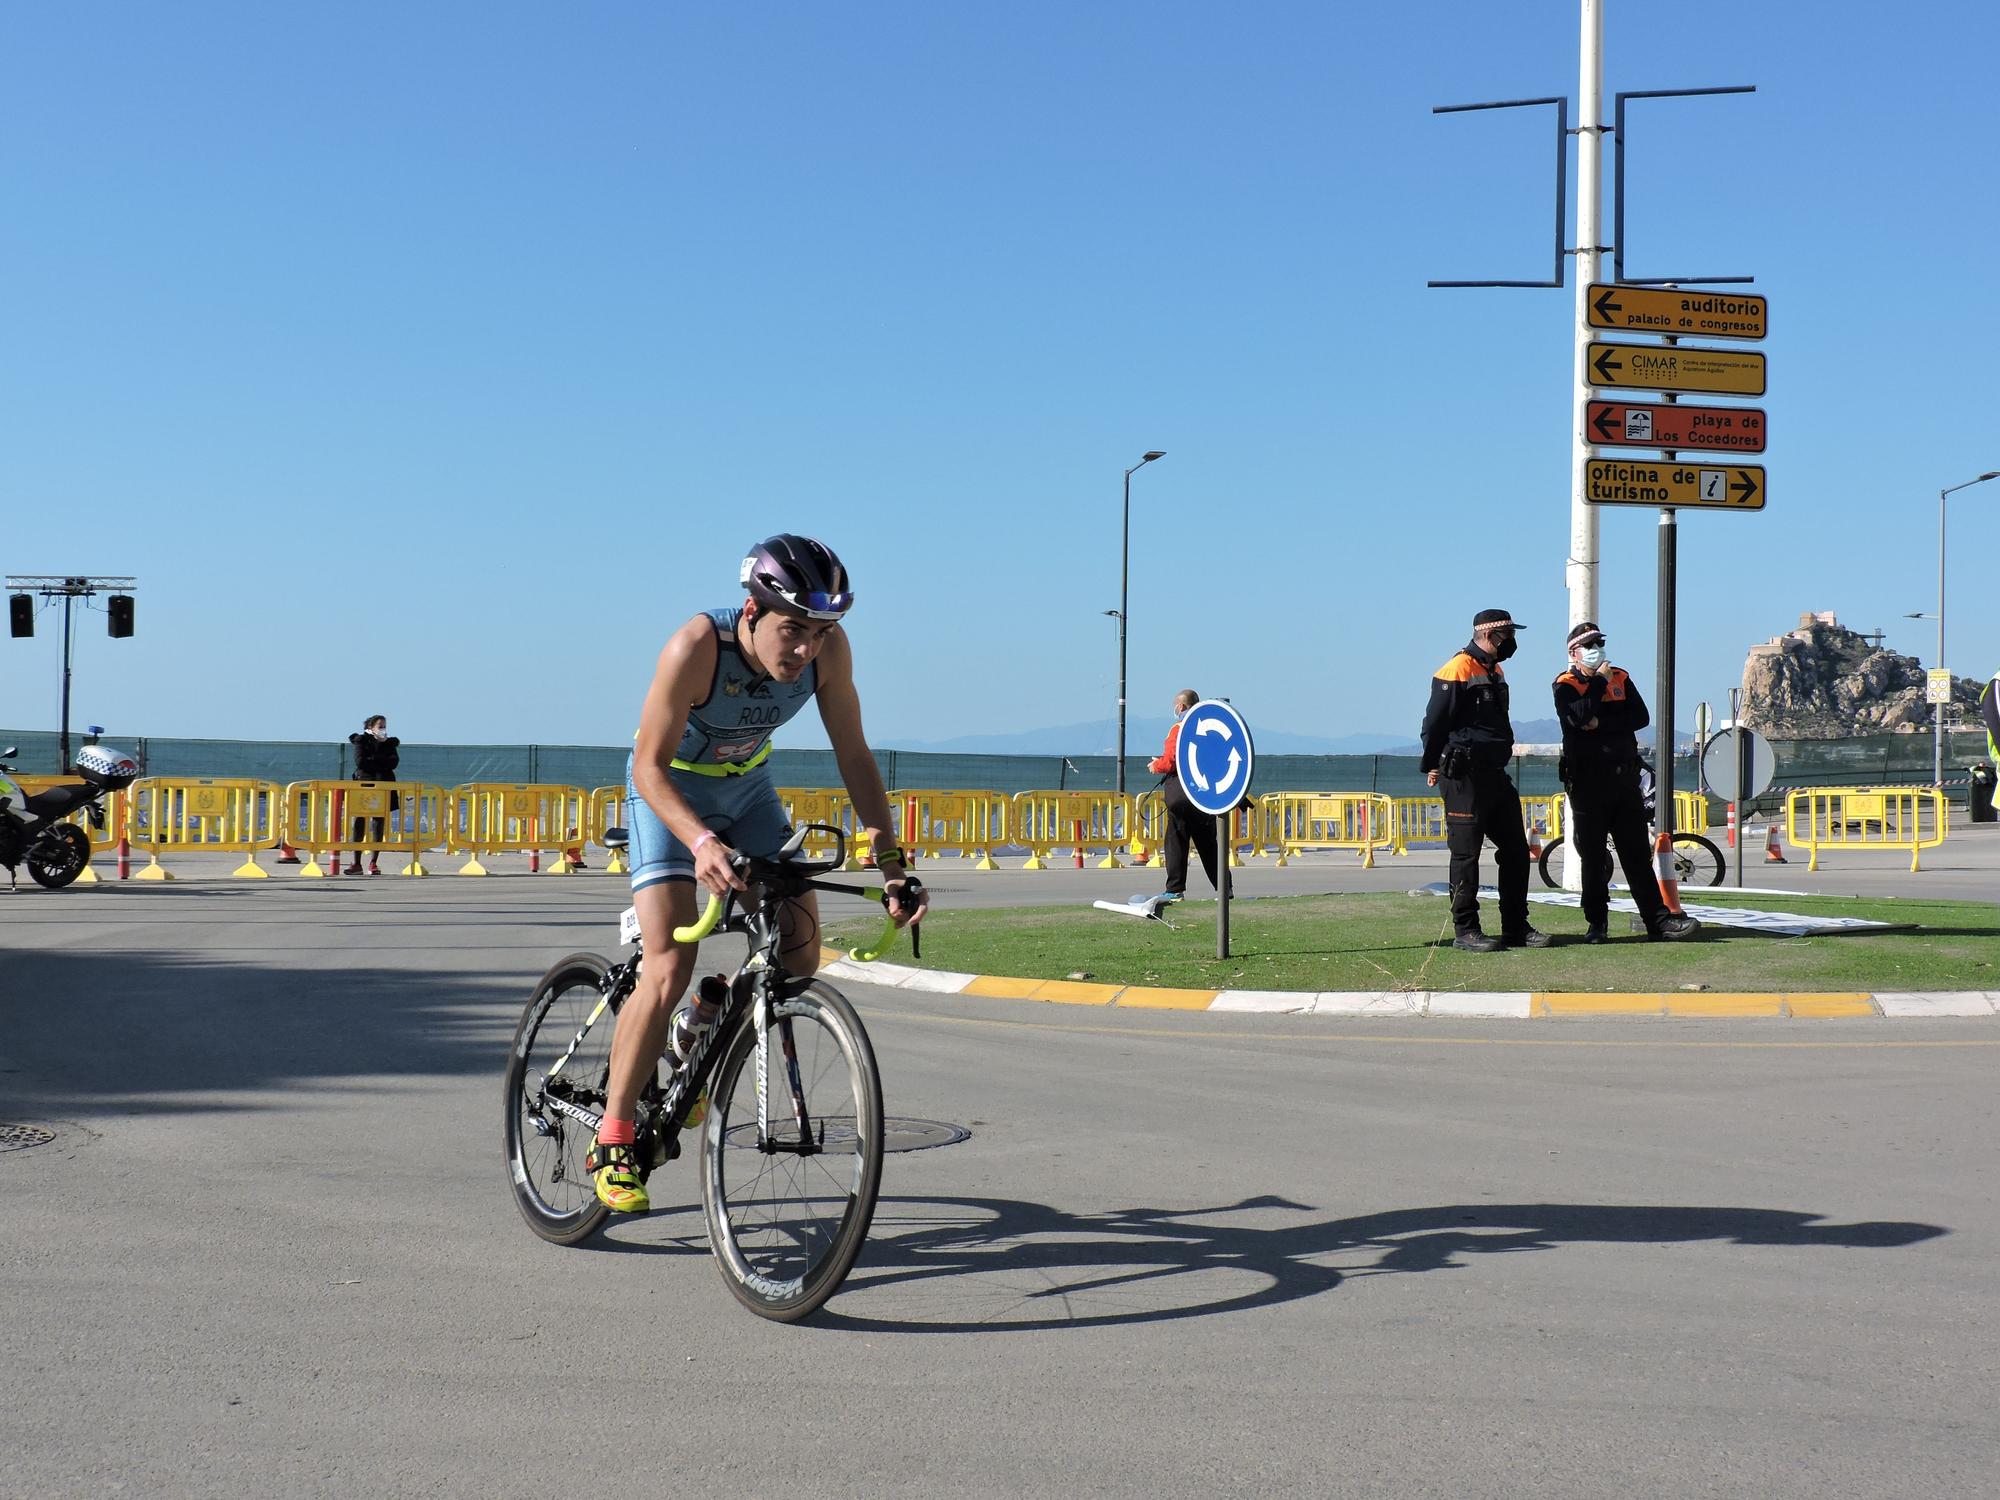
x,y
271,1250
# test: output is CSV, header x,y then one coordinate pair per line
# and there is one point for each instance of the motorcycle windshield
x,y
10,791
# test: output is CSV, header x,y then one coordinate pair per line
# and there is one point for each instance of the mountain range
x,y
1144,736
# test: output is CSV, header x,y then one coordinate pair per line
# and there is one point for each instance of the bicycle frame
x,y
759,981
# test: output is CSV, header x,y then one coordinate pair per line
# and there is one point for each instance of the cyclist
x,y
698,792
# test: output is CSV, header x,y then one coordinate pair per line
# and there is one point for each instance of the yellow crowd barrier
x,y
1362,821
1419,820
970,823
204,814
1690,813
399,817
102,840
1042,822
1148,844
522,818
829,807
1862,817
607,810
1249,832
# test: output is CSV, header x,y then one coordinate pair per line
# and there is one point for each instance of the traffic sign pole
x,y
1223,850
1583,523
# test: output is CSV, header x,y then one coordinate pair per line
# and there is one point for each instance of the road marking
x,y
1289,1038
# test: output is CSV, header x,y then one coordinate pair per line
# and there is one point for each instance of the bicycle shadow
x,y
962,1265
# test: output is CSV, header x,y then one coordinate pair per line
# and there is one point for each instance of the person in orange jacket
x,y
1184,821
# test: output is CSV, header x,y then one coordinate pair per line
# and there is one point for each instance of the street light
x,y
1125,602
1937,720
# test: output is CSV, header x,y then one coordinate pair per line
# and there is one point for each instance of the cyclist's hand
x,y
715,869
905,897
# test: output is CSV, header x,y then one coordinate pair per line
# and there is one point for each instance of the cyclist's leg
x,y
642,1021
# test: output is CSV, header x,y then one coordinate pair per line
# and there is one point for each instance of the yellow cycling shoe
x,y
615,1171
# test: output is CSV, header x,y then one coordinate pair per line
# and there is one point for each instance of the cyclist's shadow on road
x,y
957,1265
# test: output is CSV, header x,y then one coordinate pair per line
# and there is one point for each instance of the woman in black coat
x,y
375,757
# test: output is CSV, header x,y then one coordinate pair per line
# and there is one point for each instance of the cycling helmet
x,y
797,575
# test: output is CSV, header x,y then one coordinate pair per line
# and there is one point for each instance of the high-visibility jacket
x,y
1469,707
1610,698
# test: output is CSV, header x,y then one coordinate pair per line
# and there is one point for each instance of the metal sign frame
x,y
1562,179
1618,186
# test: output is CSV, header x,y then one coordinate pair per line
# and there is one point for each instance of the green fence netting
x,y
1897,759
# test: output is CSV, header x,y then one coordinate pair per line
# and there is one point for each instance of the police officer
x,y
1601,714
1468,740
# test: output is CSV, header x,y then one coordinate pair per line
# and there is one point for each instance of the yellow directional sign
x,y
1650,367
1620,481
1690,314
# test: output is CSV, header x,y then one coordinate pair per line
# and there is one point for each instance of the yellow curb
x,y
1723,1005
1161,999
1818,1006
1557,1004
1000,987
1073,992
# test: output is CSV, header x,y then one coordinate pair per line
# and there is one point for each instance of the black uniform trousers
x,y
1606,807
1478,807
1185,823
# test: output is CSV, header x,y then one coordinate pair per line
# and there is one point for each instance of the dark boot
x,y
1476,941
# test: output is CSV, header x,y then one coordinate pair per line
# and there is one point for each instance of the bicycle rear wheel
x,y
568,1013
787,1213
1697,861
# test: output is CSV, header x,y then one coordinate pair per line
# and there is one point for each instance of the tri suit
x,y
719,766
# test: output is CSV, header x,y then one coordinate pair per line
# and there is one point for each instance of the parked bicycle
x,y
791,1144
1696,860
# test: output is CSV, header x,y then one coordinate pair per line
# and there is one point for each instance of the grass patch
x,y
1387,941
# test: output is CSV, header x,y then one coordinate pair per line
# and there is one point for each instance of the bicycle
x,y
1696,860
788,1183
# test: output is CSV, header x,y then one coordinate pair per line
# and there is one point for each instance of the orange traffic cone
x,y
1535,838
1773,855
1663,866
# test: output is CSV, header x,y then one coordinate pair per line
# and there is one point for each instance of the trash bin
x,y
1983,778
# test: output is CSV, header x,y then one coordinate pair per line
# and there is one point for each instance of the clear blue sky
x,y
438,359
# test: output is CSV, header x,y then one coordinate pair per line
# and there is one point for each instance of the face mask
x,y
1592,657
1504,649
379,733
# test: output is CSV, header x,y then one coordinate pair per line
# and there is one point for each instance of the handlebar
x,y
712,918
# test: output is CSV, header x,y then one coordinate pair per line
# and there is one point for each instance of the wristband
x,y
705,838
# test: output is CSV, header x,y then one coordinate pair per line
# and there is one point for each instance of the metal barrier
x,y
1040,822
1362,821
320,817
1419,820
102,840
607,810
525,818
204,814
967,822
1860,817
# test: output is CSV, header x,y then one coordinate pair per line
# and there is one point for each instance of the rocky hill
x,y
1823,681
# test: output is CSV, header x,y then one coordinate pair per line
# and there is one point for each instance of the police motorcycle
x,y
32,827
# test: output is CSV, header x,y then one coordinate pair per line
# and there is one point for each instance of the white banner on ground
x,y
1777,923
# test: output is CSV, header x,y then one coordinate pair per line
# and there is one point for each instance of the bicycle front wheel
x,y
561,1055
789,1202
